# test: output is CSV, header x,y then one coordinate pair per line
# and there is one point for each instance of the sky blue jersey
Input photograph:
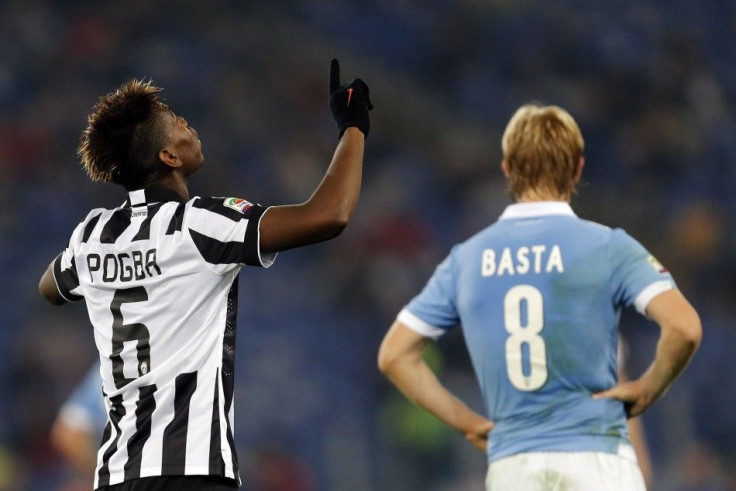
x,y
538,295
85,409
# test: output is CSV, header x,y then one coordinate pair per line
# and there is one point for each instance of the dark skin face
x,y
182,154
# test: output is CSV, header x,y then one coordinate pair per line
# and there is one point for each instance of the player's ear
x,y
169,158
505,168
579,170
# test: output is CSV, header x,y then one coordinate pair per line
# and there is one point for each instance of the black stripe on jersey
x,y
144,232
145,405
252,237
217,252
117,411
90,227
217,464
177,219
106,432
121,333
115,226
228,363
66,280
175,434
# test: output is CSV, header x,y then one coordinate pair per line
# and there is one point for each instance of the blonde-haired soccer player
x,y
538,295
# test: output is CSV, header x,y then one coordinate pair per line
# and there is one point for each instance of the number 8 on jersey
x,y
527,334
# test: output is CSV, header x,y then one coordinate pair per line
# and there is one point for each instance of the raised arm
x,y
327,212
679,339
400,359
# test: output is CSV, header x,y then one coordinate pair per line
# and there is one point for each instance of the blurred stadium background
x,y
652,84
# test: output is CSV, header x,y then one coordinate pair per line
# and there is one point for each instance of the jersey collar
x,y
537,209
152,195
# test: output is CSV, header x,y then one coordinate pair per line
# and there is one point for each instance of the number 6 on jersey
x,y
527,334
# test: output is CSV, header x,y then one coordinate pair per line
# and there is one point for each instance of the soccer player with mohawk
x,y
159,276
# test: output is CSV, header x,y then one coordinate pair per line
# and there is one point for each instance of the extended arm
x,y
328,210
326,214
679,339
400,359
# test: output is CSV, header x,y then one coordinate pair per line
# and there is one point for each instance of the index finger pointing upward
x,y
334,75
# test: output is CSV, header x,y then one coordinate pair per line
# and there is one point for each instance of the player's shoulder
x,y
596,230
595,226
227,206
96,213
613,238
85,227
479,236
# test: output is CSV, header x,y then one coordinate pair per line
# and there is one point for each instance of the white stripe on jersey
x,y
216,226
153,449
160,283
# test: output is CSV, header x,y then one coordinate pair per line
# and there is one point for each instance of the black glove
x,y
349,102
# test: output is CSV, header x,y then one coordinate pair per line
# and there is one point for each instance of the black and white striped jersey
x,y
159,277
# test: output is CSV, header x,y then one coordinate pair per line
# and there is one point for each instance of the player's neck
x,y
535,195
176,183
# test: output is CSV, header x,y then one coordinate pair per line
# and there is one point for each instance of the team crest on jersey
x,y
656,264
237,204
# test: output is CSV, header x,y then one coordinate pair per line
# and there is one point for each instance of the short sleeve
x,y
433,312
65,276
226,232
65,267
637,276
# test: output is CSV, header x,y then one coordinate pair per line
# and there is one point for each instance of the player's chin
x,y
200,161
197,165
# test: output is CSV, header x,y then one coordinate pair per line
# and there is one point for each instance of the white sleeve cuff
x,y
647,294
266,260
418,325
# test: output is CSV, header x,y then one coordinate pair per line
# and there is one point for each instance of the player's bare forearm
x,y
400,359
675,349
338,192
328,211
47,287
680,337
419,384
326,214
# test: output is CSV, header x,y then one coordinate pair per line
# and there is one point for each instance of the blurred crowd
x,y
651,83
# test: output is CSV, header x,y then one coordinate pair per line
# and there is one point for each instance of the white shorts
x,y
569,471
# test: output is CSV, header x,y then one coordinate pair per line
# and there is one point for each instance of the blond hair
x,y
542,146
